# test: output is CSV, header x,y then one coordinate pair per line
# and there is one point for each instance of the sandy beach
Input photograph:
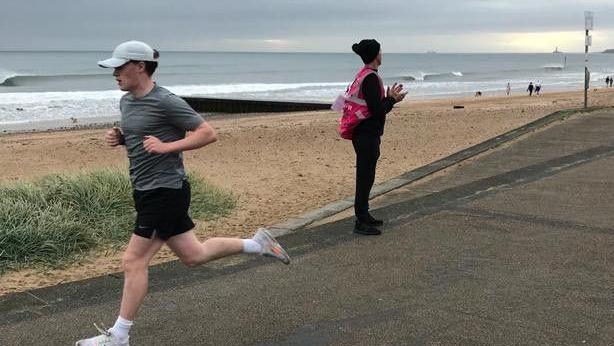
x,y
278,165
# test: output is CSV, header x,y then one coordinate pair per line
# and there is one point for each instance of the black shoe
x,y
373,221
366,229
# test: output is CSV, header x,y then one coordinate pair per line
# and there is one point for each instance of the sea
x,y
45,86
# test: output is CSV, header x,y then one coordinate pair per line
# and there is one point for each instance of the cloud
x,y
316,25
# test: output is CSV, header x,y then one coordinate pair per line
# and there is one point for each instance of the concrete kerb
x,y
331,209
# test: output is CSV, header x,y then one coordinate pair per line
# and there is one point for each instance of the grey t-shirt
x,y
166,116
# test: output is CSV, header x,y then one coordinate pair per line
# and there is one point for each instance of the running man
x,y
154,123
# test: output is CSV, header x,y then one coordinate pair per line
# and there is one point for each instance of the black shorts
x,y
162,212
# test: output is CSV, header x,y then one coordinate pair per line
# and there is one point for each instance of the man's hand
x,y
114,137
153,145
396,92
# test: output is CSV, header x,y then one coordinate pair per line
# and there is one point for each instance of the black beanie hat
x,y
367,49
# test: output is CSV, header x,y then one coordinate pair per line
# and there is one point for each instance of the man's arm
x,y
203,135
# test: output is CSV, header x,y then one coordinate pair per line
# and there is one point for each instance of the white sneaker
x,y
104,339
270,246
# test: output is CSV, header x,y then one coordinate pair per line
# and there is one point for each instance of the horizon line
x,y
13,50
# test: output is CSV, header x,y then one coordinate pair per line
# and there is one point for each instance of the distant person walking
x,y
611,80
154,123
607,81
508,89
371,104
538,88
530,88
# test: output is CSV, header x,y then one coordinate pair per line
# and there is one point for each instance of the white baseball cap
x,y
129,50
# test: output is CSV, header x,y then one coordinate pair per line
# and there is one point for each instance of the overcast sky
x,y
307,25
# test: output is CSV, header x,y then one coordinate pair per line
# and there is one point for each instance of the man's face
x,y
127,75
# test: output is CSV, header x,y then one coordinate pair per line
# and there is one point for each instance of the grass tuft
x,y
57,219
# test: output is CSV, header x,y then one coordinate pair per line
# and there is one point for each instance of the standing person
x,y
154,123
538,88
530,88
508,89
607,81
611,80
373,103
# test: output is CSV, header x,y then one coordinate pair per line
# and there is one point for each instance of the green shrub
x,y
58,218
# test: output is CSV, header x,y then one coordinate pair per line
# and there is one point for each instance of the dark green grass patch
x,y
56,219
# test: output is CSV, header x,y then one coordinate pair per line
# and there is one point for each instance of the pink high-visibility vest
x,y
355,107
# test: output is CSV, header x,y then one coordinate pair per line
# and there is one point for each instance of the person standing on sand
x,y
153,130
530,88
538,88
366,136
611,80
607,81
508,89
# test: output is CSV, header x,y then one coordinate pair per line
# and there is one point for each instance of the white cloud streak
x,y
290,25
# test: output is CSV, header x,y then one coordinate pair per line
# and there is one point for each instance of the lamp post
x,y
588,40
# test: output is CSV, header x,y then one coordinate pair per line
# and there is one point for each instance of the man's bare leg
x,y
135,263
137,256
192,252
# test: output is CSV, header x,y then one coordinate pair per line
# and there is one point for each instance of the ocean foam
x,y
423,76
6,76
37,106
49,106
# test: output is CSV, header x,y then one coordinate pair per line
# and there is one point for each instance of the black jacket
x,y
378,108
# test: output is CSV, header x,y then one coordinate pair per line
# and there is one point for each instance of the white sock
x,y
121,329
251,246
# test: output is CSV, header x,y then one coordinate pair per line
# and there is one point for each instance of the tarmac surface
x,y
514,246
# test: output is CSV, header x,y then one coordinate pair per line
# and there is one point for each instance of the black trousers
x,y
367,154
